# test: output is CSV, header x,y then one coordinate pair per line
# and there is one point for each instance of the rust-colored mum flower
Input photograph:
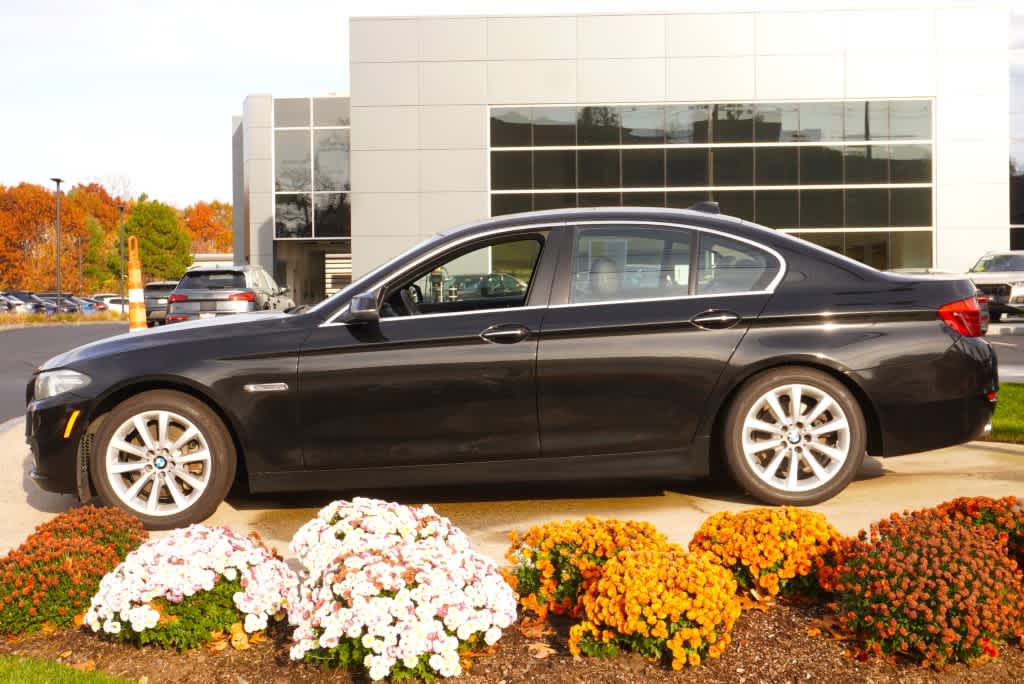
x,y
64,558
932,586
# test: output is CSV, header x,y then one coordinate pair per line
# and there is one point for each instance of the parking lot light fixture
x,y
58,181
120,224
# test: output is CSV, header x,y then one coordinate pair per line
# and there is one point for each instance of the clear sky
x,y
139,94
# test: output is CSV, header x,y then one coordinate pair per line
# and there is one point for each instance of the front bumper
x,y
54,446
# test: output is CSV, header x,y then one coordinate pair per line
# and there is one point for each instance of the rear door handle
x,y
715,319
505,334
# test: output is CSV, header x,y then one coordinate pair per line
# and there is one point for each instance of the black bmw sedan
x,y
649,343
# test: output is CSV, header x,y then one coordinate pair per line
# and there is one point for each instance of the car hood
x,y
995,277
193,332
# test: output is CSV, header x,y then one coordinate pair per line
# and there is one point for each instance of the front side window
x,y
999,262
612,263
727,266
495,276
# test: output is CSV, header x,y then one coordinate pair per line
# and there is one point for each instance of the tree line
x,y
90,238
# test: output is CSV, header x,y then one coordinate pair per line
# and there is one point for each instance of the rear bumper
x,y
936,404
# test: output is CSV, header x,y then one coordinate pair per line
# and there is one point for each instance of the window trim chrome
x,y
768,289
382,282
389,278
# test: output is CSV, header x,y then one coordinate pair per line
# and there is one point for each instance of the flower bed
x,y
181,590
935,589
553,564
771,550
1005,516
659,602
49,578
394,589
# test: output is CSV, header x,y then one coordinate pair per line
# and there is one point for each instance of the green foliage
x,y
193,621
33,671
163,245
97,258
1008,420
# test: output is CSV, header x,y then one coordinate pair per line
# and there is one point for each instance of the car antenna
x,y
708,207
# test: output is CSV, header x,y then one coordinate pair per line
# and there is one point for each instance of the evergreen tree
x,y
163,245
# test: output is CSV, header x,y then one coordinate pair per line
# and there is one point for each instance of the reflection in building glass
x,y
291,160
333,215
291,216
330,165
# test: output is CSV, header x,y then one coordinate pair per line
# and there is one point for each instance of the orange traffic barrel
x,y
136,300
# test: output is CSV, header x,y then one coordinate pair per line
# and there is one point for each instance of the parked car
x,y
103,296
753,351
28,303
477,285
1000,276
6,305
209,291
100,305
155,294
67,303
117,304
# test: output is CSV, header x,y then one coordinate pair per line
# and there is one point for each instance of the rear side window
x,y
624,262
212,280
726,266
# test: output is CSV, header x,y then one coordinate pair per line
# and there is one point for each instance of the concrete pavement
x,y
488,514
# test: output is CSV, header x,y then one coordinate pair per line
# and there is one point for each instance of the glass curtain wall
x,y
855,176
311,168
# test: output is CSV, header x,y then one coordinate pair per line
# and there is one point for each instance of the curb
x,y
1005,329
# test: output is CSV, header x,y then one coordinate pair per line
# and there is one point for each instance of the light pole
x,y
120,223
58,181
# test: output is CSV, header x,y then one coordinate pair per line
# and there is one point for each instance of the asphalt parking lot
x,y
490,513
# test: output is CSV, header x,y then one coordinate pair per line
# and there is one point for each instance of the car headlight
x,y
51,383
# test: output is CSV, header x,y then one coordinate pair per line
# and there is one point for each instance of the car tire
x,y
826,437
187,451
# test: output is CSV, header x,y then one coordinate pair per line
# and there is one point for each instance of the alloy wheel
x,y
158,463
796,437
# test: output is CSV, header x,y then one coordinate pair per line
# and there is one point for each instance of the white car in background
x,y
1000,276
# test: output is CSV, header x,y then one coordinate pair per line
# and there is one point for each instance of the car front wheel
x,y
165,457
794,436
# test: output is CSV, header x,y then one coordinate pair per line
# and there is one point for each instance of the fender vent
x,y
84,487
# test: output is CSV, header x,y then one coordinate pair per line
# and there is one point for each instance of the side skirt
x,y
691,463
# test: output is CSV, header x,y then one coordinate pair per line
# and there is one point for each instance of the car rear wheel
x,y
794,436
165,457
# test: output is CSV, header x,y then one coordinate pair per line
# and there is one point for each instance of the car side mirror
x,y
364,308
283,290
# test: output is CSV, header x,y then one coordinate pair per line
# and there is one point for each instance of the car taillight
x,y
963,316
177,298
243,297
175,318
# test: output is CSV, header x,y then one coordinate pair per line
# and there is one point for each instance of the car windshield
x,y
212,280
999,262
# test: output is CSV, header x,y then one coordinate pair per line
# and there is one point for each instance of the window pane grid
x,y
836,166
311,168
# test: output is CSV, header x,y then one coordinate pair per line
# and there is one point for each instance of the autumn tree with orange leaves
x,y
208,225
28,239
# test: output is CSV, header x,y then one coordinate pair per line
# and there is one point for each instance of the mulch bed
x,y
768,646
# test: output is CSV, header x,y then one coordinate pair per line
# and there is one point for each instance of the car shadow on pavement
x,y
708,487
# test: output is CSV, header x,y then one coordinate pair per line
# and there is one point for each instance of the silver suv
x,y
208,291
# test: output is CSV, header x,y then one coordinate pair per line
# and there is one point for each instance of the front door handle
x,y
715,319
505,334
